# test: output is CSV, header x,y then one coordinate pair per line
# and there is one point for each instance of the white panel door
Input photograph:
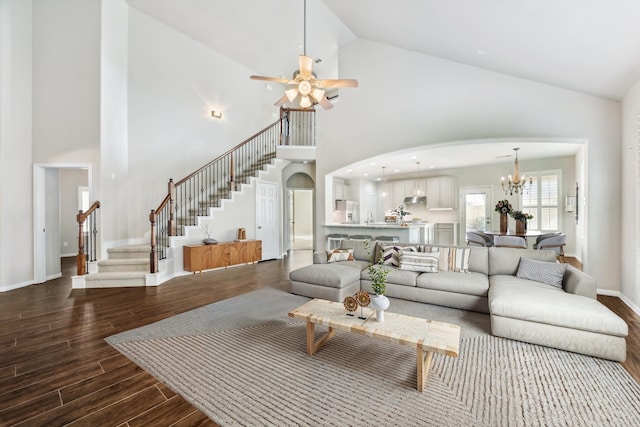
x,y
267,221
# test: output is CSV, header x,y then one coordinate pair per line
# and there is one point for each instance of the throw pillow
x,y
550,273
458,260
336,255
420,261
391,254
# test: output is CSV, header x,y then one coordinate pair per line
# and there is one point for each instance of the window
x,y
542,200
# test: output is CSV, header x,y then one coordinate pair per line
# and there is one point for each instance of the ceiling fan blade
x,y
325,103
272,79
281,101
306,64
337,83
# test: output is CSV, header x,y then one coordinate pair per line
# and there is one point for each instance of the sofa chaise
x,y
528,295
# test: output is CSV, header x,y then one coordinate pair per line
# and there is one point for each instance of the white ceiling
x,y
589,46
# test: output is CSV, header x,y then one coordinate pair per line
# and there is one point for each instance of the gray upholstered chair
x,y
509,242
388,238
554,243
360,237
478,238
541,237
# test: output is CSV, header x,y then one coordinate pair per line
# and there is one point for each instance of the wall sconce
x,y
216,114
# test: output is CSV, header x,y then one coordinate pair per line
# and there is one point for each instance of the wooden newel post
x,y
172,209
153,256
81,259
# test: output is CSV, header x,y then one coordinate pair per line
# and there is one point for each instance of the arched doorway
x,y
300,212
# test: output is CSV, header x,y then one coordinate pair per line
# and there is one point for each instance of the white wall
x,y
406,99
631,201
174,82
16,172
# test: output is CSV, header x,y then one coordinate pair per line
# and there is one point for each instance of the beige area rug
x,y
242,362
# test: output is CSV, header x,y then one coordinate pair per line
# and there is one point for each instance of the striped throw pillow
x,y
420,261
451,259
391,254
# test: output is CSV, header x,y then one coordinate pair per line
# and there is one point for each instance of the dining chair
x,y
555,243
541,237
475,239
509,242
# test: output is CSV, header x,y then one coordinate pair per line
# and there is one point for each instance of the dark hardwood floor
x,y
56,368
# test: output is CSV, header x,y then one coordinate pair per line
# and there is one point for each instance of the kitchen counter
x,y
420,233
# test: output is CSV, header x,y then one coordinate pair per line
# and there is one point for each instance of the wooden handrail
x,y
183,180
81,258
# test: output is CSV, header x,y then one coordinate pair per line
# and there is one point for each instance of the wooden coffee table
x,y
426,336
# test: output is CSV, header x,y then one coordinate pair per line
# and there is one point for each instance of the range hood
x,y
415,200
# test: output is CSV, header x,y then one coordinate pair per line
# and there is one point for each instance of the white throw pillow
x,y
425,262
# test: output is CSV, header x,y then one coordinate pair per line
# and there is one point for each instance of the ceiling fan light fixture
x,y
317,94
305,102
304,88
291,94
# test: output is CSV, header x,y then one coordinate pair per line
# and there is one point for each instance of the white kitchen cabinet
x,y
341,189
446,234
413,185
398,194
441,192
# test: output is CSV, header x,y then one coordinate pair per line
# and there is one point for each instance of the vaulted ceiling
x,y
588,46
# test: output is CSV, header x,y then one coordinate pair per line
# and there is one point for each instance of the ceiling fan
x,y
306,87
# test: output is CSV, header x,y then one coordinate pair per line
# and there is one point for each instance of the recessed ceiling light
x,y
480,51
379,179
305,162
432,166
365,174
373,164
414,157
349,170
267,86
396,170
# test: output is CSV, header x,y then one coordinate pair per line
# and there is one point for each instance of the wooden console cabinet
x,y
224,254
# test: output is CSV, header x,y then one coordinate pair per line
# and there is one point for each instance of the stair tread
x,y
121,261
116,275
130,248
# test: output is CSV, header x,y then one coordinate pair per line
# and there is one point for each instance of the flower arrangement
x,y
504,207
521,216
400,212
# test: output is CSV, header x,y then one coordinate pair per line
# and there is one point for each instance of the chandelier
x,y
517,184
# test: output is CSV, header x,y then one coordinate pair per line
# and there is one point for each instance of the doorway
x,y
300,219
476,209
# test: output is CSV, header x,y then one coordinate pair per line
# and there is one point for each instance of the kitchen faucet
x,y
369,217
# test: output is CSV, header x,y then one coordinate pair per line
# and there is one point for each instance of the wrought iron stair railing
x,y
193,195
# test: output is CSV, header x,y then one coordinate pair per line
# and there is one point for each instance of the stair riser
x,y
129,255
123,267
114,283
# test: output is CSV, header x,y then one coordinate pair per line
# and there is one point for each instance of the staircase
x,y
193,201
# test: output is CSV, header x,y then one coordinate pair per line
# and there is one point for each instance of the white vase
x,y
379,303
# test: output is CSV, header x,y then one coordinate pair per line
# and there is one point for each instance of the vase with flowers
x,y
521,221
378,273
400,213
504,208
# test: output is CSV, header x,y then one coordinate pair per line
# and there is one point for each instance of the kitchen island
x,y
420,233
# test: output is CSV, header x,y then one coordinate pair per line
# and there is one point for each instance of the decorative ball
x,y
350,304
363,298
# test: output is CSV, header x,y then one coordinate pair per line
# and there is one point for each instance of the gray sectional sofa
x,y
567,316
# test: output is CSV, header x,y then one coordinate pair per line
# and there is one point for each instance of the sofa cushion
x,y
362,249
450,281
391,254
396,276
336,255
335,275
506,260
420,261
550,273
549,305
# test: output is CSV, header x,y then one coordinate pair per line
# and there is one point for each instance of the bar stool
x,y
360,237
334,239
388,238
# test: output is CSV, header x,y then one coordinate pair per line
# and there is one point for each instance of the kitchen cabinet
x,y
206,257
341,189
446,234
441,192
398,194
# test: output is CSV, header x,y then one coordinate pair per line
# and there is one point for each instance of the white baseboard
x,y
608,292
15,286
